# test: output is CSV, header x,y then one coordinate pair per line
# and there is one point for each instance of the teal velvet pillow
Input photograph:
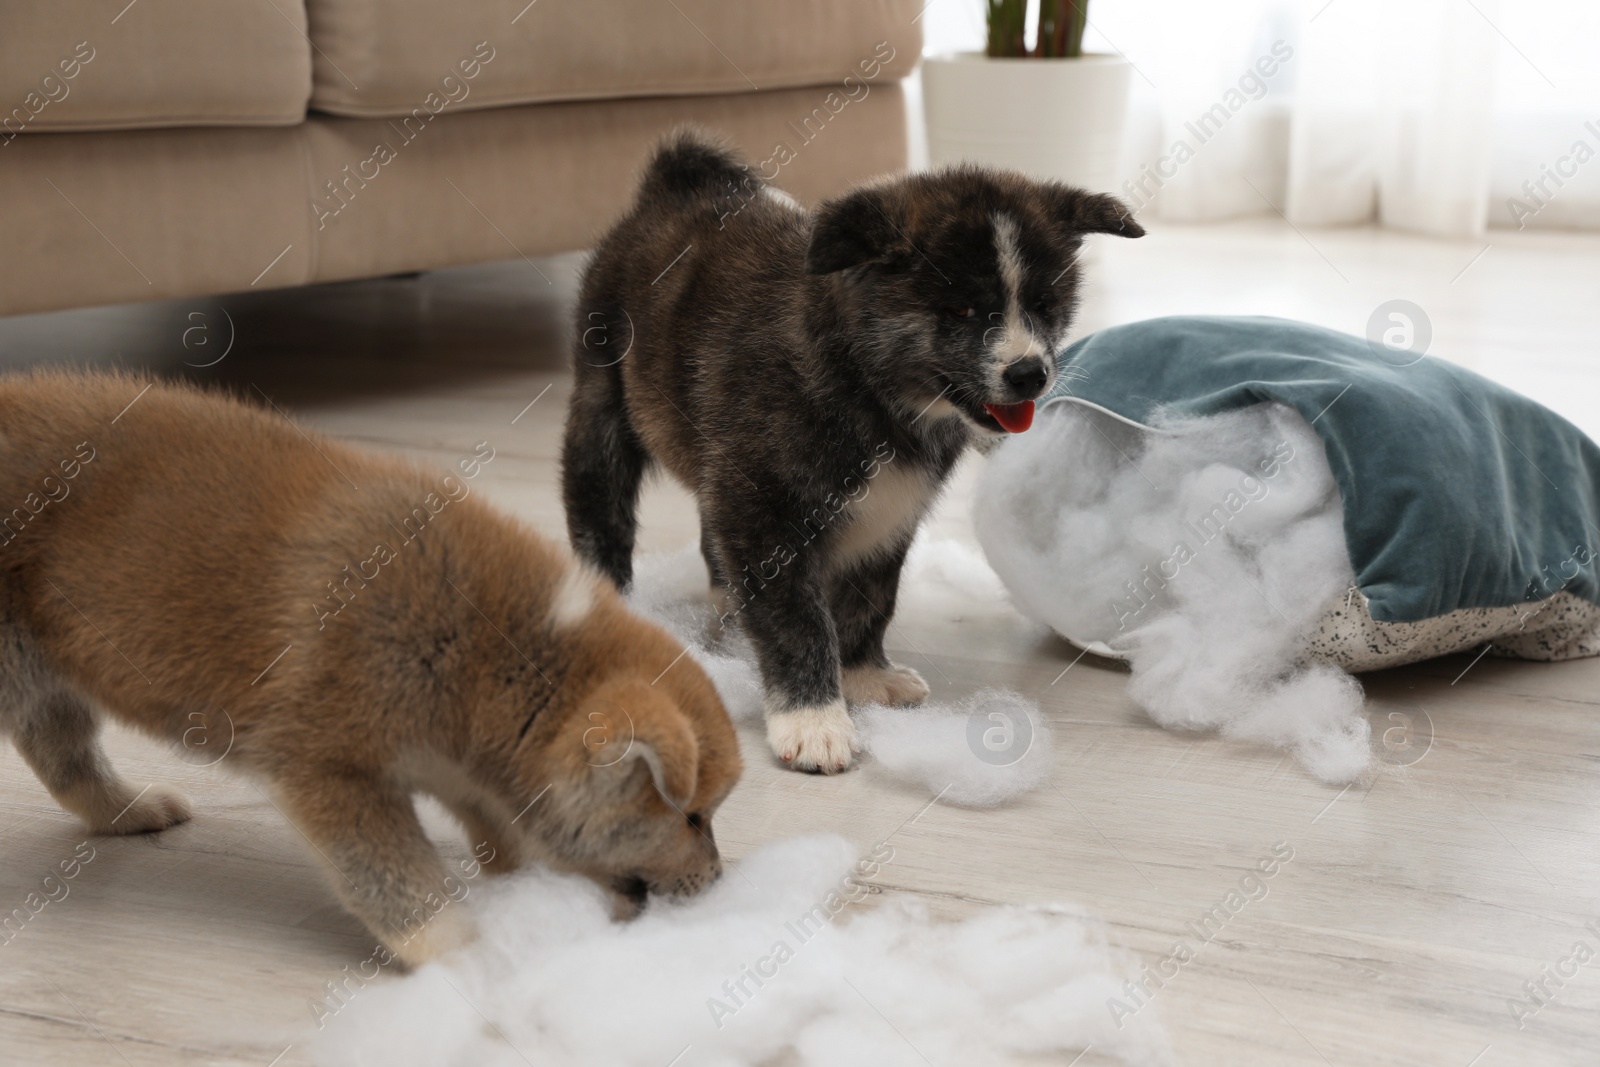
x,y
1457,492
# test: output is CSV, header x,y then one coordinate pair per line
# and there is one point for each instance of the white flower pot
x,y
1049,118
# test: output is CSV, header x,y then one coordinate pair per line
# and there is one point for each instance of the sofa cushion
x,y
89,65
514,182
383,58
149,214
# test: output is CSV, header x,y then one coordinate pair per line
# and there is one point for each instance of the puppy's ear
x,y
853,229
632,721
1078,211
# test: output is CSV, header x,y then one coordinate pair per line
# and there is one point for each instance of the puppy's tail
x,y
690,166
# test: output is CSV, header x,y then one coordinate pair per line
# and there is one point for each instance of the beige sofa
x,y
167,148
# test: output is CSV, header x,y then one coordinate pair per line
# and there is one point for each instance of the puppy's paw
x,y
891,685
448,930
820,739
157,808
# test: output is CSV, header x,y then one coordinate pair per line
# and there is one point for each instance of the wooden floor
x,y
1415,905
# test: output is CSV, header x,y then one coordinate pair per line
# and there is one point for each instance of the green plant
x,y
1060,28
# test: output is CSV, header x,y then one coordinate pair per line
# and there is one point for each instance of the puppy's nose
x,y
1026,377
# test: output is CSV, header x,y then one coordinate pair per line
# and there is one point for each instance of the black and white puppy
x,y
812,377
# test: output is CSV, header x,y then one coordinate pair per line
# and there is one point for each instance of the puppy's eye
x,y
697,821
960,312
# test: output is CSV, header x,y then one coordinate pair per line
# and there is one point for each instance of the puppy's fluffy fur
x,y
349,630
813,378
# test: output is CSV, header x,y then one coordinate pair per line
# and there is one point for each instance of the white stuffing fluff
x,y
975,754
979,752
954,567
1093,524
553,981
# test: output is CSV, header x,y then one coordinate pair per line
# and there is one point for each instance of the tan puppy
x,y
350,630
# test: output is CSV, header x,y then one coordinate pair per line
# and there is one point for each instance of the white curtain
x,y
1439,116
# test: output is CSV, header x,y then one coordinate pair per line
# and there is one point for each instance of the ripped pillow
x,y
1248,508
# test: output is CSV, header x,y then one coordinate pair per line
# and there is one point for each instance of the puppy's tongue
x,y
1014,417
